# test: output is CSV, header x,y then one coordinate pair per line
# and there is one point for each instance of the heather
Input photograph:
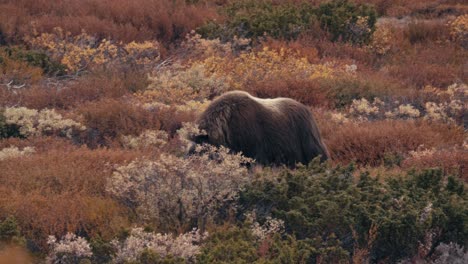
x,y
98,98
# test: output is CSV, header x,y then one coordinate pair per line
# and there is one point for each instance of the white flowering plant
x,y
176,192
68,250
184,246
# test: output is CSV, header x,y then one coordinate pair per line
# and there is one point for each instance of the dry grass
x,y
61,186
109,118
93,87
429,64
62,190
170,119
40,144
119,19
452,161
429,30
15,254
368,143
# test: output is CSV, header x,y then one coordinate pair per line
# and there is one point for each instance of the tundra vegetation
x,y
97,98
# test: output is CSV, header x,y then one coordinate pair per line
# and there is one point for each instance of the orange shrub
x,y
99,85
369,143
343,51
40,144
430,30
452,161
16,73
12,17
429,64
62,190
108,119
368,84
170,119
120,19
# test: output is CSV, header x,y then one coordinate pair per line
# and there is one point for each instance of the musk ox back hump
x,y
272,131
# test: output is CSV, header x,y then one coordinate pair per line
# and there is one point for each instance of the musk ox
x,y
271,131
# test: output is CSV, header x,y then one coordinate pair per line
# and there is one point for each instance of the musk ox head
x,y
271,131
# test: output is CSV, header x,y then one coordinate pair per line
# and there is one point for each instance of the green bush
x,y
252,19
343,90
102,250
238,245
8,229
229,246
8,130
150,257
347,21
329,209
36,59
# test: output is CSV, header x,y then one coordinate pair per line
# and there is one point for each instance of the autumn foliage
x,y
98,97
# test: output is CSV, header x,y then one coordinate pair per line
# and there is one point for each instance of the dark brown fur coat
x,y
271,131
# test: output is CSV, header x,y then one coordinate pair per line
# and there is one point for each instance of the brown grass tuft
x,y
452,161
369,143
108,119
118,19
62,191
92,87
422,31
429,64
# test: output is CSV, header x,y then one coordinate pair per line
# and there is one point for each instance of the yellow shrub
x,y
178,85
267,64
83,51
459,30
382,40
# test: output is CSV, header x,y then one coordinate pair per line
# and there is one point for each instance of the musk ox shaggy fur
x,y
271,131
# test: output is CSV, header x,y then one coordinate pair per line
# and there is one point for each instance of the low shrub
x,y
253,19
458,30
179,85
14,152
139,20
148,247
8,229
30,122
368,143
174,194
62,190
39,144
36,59
342,90
268,64
245,247
109,119
421,31
17,73
451,160
69,249
84,52
428,64
7,130
111,84
327,208
347,21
